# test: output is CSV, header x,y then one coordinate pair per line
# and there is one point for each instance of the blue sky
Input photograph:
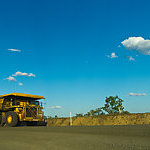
x,y
69,45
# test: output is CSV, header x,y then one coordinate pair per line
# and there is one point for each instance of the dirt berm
x,y
130,119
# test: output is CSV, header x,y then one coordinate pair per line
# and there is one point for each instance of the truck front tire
x,y
0,119
11,119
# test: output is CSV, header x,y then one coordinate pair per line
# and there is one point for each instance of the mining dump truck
x,y
18,108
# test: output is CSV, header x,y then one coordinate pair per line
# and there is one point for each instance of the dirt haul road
x,y
135,137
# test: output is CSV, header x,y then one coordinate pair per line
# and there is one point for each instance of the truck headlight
x,y
40,115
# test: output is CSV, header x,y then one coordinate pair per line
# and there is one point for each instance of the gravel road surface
x,y
131,137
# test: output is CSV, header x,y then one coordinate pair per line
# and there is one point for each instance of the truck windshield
x,y
34,102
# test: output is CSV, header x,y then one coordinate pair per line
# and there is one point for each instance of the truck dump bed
x,y
23,95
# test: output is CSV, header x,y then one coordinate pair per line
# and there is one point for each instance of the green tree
x,y
87,114
49,117
56,116
79,115
92,112
99,111
113,105
125,112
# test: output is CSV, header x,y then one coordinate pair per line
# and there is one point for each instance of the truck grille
x,y
31,112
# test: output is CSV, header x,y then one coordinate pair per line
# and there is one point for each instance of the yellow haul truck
x,y
17,108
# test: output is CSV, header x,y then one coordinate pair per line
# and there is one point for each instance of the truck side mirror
x,y
41,104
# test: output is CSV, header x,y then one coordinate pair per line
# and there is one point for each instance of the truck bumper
x,y
32,119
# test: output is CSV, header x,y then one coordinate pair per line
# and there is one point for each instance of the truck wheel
x,y
11,119
42,123
0,119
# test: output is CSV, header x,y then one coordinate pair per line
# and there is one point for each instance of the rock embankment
x,y
130,119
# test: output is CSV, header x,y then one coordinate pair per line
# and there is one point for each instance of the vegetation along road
x,y
131,137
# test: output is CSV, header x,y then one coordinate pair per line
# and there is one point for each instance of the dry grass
x,y
130,119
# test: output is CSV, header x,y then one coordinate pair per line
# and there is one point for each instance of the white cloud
x,y
18,73
31,75
131,58
55,107
137,94
137,43
20,84
10,78
112,55
15,50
